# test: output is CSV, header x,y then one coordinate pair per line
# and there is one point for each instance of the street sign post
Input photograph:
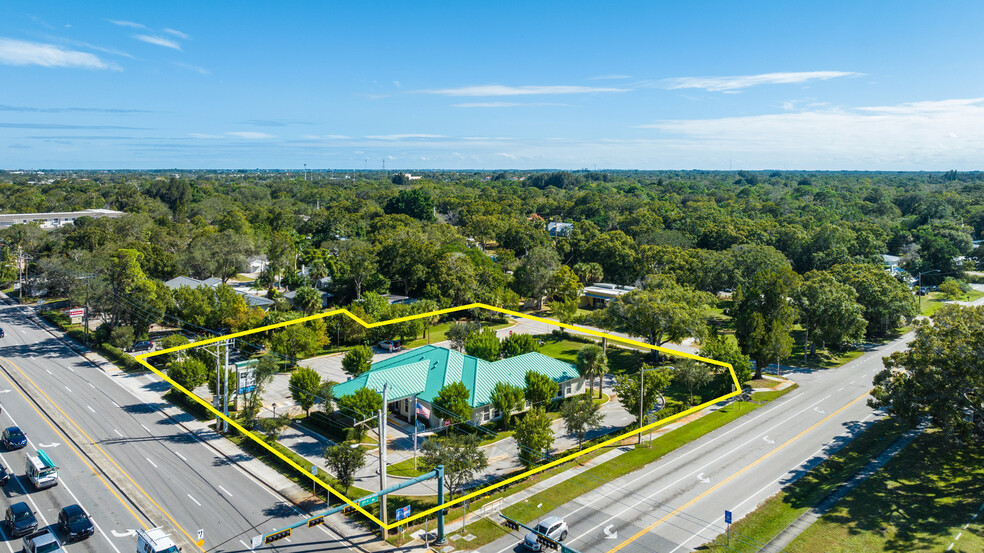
x,y
201,537
727,520
368,500
314,483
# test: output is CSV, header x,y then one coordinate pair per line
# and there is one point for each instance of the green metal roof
x,y
425,370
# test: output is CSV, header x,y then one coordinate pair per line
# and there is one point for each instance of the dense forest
x,y
776,242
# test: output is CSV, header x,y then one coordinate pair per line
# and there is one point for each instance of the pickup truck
x,y
42,541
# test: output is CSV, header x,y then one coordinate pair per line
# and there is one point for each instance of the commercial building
x,y
56,219
599,294
420,374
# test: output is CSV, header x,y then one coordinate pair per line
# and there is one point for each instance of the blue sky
x,y
487,85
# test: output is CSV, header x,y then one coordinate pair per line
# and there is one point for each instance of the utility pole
x,y
225,387
642,387
382,462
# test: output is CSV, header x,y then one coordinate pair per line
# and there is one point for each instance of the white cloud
x,y
159,41
249,135
19,52
609,77
130,24
501,90
904,135
203,135
733,83
190,67
177,33
505,104
403,136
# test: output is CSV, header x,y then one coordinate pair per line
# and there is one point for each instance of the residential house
x,y
559,230
420,374
251,300
257,264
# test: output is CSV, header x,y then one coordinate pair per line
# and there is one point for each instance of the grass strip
x,y
921,500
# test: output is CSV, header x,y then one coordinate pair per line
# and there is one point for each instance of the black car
x,y
74,523
144,345
4,476
13,438
1,333
20,520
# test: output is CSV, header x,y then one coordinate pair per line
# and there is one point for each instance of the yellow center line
x,y
72,447
93,442
733,476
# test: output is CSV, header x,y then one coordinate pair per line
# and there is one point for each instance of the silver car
x,y
553,527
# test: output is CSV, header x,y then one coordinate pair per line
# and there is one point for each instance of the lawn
x,y
405,468
919,501
776,513
438,331
934,300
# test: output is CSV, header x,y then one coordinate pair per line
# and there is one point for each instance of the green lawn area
x,y
776,513
934,300
405,468
824,359
919,501
438,331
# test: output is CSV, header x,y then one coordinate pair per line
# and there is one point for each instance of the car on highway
x,y
74,523
552,527
141,346
42,541
4,476
20,520
13,438
1,333
391,345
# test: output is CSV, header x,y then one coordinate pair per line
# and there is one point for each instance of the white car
x,y
553,527
391,345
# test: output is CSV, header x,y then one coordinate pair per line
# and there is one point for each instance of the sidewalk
x,y
147,387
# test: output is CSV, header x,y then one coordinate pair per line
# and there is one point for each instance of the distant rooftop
x,y
55,219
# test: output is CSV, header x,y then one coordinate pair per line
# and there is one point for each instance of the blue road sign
x,y
727,517
403,512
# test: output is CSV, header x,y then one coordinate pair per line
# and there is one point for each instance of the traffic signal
x,y
547,542
511,524
348,510
270,538
316,521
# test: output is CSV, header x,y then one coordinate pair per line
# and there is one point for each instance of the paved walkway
x,y
812,515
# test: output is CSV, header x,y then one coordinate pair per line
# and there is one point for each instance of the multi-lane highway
x,y
678,503
126,462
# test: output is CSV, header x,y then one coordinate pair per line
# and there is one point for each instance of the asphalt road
x,y
678,503
188,486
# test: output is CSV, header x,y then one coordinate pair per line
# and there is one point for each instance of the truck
x,y
155,540
42,541
41,470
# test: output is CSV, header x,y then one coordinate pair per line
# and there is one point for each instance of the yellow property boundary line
x,y
142,360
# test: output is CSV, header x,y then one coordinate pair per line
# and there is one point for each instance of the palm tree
x,y
592,362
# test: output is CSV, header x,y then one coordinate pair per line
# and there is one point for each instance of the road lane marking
x,y
103,451
118,433
765,414
49,372
226,491
151,462
69,389
193,499
70,445
89,407
91,385
145,428
117,405
680,509
180,455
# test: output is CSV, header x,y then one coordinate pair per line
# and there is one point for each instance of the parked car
x,y
4,476
553,527
141,346
1,333
391,345
13,438
74,523
20,520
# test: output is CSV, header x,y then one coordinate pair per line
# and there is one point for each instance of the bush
x,y
120,358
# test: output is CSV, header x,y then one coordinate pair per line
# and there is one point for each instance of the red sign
x,y
447,422
76,312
